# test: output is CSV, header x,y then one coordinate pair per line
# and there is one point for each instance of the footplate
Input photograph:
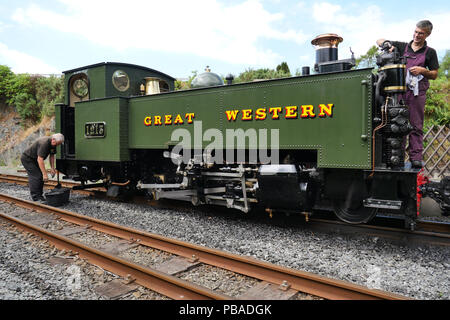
x,y
383,204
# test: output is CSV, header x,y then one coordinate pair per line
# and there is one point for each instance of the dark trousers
x,y
416,114
35,180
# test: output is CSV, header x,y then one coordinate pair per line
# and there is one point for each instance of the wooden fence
x,y
436,153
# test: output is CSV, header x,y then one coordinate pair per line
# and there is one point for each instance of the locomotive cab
x,y
98,86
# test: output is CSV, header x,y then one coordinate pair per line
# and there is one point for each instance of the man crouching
x,y
33,161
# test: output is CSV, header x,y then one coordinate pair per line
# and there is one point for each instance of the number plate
x,y
95,130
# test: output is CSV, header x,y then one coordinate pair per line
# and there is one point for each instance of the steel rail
x,y
24,180
426,233
299,280
160,282
13,179
429,226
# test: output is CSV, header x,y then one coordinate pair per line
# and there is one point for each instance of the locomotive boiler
x,y
329,139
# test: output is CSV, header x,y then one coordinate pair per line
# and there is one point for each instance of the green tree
x,y
445,65
49,91
261,74
368,60
184,85
284,68
23,98
32,96
6,76
436,110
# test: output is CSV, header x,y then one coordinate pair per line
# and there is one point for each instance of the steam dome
x,y
207,79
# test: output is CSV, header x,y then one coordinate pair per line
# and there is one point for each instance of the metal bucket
x,y
57,197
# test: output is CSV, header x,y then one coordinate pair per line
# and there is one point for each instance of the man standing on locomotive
x,y
33,161
421,64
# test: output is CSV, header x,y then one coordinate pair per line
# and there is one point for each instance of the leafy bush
x,y
437,111
6,75
261,74
284,68
33,97
27,108
49,91
368,60
184,85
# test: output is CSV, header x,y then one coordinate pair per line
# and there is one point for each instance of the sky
x,y
178,37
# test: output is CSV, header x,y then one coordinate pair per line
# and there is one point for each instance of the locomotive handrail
x,y
364,85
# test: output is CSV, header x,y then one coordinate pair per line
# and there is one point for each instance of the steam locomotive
x,y
332,138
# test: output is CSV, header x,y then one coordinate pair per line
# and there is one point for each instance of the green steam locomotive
x,y
332,138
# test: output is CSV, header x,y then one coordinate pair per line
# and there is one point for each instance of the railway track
x,y
275,277
23,180
389,228
427,232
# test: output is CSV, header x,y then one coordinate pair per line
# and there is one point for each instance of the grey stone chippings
x,y
421,272
27,274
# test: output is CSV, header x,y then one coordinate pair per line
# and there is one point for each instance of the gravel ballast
x,y
420,272
33,269
26,272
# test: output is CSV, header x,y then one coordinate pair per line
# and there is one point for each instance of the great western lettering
x,y
276,113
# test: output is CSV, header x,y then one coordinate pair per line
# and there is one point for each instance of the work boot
x,y
40,199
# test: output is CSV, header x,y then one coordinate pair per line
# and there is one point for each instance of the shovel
x,y
58,186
